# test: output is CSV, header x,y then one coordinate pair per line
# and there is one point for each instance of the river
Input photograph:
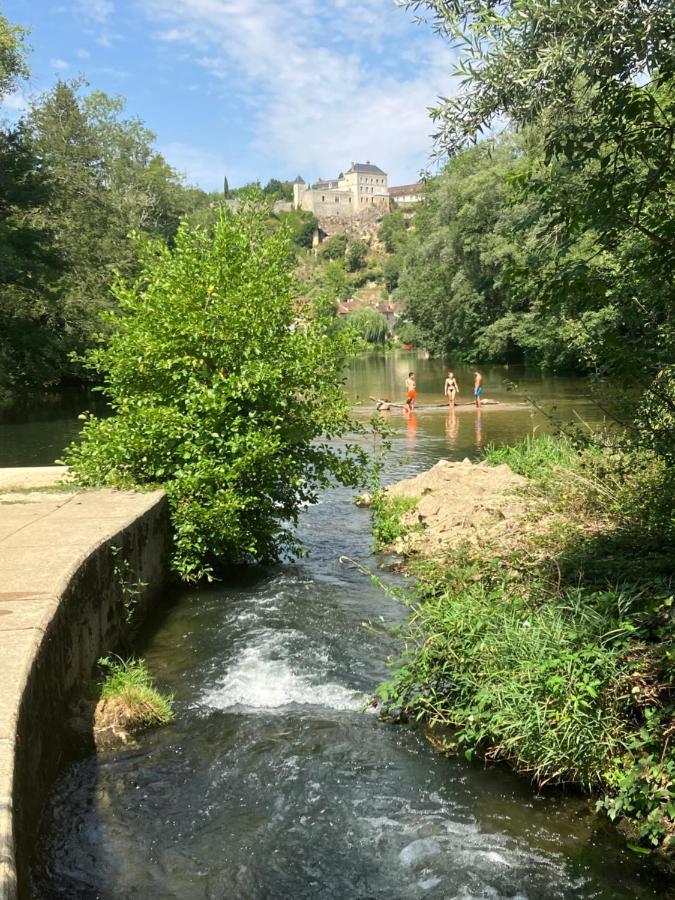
x,y
273,782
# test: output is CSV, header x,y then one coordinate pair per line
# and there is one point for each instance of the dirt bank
x,y
461,504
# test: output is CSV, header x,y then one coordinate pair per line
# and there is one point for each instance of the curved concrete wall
x,y
66,564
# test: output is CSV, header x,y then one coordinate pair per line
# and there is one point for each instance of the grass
x,y
128,682
387,513
534,457
559,657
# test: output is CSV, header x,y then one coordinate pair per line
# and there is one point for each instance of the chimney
x,y
367,162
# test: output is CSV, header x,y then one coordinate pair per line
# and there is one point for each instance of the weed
x,y
128,682
387,513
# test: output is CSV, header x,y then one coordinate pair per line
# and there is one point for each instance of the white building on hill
x,y
362,188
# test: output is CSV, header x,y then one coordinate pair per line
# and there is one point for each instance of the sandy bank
x,y
460,504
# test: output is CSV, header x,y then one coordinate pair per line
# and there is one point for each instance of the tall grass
x,y
543,688
129,682
534,456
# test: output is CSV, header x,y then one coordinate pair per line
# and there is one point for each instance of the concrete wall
x,y
88,616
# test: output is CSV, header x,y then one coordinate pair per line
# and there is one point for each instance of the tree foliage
x,y
12,55
369,324
76,179
355,256
594,82
222,391
334,248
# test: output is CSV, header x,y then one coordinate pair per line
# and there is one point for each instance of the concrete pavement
x,y
61,606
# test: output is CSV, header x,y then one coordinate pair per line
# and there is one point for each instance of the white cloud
x,y
324,84
15,103
59,65
96,10
82,54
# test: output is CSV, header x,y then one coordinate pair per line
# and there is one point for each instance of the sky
x,y
252,89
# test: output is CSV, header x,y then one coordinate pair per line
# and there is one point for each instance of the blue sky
x,y
252,88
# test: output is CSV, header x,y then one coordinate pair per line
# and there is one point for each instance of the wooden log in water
x,y
383,404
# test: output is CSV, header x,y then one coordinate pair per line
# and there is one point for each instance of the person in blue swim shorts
x,y
477,387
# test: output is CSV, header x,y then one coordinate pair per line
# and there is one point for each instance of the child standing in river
x,y
411,391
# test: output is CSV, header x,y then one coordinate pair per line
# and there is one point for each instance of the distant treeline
x,y
495,266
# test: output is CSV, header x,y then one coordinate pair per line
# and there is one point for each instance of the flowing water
x,y
273,782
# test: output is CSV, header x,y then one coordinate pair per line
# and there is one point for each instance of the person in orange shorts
x,y
411,391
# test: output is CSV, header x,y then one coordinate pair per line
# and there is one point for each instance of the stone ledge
x,y
61,607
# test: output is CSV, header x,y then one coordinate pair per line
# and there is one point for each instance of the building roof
x,y
402,189
299,180
366,168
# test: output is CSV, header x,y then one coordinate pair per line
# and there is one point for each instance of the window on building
x,y
323,198
337,199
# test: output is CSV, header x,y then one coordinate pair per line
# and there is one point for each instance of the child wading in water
x,y
477,387
451,388
411,391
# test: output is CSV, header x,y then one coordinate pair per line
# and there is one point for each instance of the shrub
x,y
334,248
534,456
355,258
222,392
539,685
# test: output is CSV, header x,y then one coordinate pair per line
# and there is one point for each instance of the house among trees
x,y
407,193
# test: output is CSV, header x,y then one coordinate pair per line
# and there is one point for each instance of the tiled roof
x,y
366,169
402,189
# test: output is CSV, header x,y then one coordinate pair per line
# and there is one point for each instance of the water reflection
x,y
411,428
452,428
478,424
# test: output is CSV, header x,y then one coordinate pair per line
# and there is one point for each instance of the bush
x,y
302,225
355,258
386,513
540,686
556,652
390,272
334,248
534,456
408,333
221,392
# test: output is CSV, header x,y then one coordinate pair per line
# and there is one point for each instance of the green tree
x,y
391,269
392,231
12,55
222,391
596,82
279,190
334,282
334,248
369,324
355,256
302,224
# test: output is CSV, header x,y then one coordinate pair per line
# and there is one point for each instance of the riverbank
x,y
541,627
77,568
